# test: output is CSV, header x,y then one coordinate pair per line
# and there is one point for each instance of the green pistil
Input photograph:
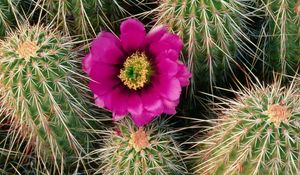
x,y
136,72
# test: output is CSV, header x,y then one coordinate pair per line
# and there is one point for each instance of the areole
x,y
27,49
139,139
278,113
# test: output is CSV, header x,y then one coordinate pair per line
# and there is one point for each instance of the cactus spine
x,y
280,35
7,18
83,17
41,97
212,31
129,150
258,134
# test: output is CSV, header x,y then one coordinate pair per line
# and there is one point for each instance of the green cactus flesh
x,y
131,150
84,17
280,35
6,15
259,134
41,97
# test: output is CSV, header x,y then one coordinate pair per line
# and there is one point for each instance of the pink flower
x,y
138,73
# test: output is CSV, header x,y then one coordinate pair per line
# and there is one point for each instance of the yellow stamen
x,y
139,140
27,49
278,113
136,71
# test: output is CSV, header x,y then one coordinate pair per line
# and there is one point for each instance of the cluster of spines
x,y
258,134
148,150
41,97
212,30
279,36
84,18
8,12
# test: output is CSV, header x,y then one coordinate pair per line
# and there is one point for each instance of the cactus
x,y
41,97
259,133
7,15
129,150
279,36
83,17
212,32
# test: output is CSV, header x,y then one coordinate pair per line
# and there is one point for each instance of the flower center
x,y
136,72
27,49
139,140
278,113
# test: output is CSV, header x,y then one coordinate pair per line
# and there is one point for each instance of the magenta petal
x,y
184,81
135,106
117,117
101,88
87,63
169,88
173,40
115,100
168,41
112,37
155,34
107,50
183,75
143,119
170,53
167,67
119,99
151,101
99,101
170,106
108,36
132,35
103,72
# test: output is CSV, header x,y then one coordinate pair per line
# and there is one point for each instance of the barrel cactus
x,y
258,133
212,32
279,36
83,17
42,100
149,150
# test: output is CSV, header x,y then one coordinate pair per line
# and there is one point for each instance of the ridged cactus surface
x,y
84,18
258,134
212,32
41,98
129,150
280,35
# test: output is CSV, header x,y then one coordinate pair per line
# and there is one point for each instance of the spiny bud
x,y
138,154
